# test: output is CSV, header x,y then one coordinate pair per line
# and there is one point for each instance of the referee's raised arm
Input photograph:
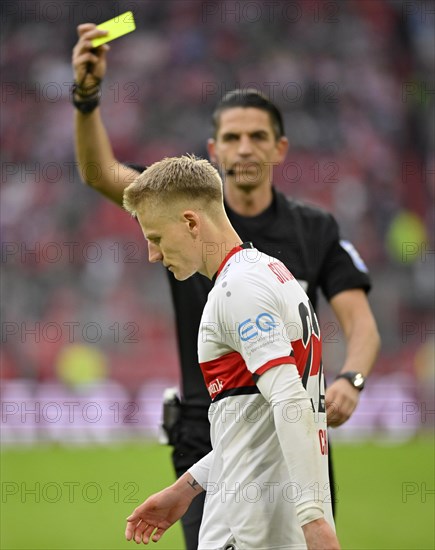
x,y
92,144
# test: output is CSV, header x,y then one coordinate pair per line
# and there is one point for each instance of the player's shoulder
x,y
247,269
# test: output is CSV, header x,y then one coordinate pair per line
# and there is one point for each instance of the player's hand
x,y
320,536
89,63
154,516
341,400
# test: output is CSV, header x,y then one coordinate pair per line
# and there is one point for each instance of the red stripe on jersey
x,y
227,257
275,363
309,357
230,372
226,373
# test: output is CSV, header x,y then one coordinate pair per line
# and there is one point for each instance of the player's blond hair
x,y
185,178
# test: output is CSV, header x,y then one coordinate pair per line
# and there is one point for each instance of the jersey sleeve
x,y
342,267
200,470
283,389
254,320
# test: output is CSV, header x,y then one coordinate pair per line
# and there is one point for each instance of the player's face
x,y
245,147
171,241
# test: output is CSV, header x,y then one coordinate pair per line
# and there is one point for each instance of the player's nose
x,y
154,253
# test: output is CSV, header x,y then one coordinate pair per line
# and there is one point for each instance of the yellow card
x,y
116,27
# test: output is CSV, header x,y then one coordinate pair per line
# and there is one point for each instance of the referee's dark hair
x,y
250,97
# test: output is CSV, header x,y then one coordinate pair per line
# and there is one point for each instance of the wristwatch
x,y
355,378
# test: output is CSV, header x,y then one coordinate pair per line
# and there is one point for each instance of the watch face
x,y
358,381
355,378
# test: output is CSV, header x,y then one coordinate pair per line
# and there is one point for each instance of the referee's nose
x,y
154,253
244,146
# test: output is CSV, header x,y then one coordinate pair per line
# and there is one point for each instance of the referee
x,y
249,138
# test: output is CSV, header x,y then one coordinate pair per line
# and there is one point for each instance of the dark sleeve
x,y
342,267
138,167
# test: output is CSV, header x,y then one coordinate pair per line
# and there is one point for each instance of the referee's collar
x,y
233,251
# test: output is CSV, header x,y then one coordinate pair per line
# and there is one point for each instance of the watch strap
x,y
355,378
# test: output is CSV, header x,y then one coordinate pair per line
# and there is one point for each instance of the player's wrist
x,y
319,534
187,486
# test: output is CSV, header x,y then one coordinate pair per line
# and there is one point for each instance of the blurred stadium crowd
x,y
83,314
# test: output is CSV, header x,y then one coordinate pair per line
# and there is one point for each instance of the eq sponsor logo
x,y
249,329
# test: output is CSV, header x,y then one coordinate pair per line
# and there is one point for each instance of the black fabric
x,y
191,522
193,438
243,390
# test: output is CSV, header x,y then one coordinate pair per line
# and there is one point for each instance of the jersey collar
x,y
231,253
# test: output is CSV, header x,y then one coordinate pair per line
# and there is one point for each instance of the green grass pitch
x,y
78,498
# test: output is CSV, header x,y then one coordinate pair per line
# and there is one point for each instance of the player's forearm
x,y
98,166
298,435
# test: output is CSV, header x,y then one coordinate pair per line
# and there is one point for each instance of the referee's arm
x,y
363,342
97,164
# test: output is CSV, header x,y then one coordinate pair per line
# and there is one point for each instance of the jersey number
x,y
313,365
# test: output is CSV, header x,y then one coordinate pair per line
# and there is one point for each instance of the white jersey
x,y
257,317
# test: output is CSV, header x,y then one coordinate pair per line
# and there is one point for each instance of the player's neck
x,y
250,201
215,249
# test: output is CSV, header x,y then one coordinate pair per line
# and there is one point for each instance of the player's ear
x,y
192,222
211,148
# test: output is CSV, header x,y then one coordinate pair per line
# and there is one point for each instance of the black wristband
x,y
86,106
89,100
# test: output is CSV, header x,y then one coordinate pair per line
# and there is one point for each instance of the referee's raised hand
x,y
89,63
